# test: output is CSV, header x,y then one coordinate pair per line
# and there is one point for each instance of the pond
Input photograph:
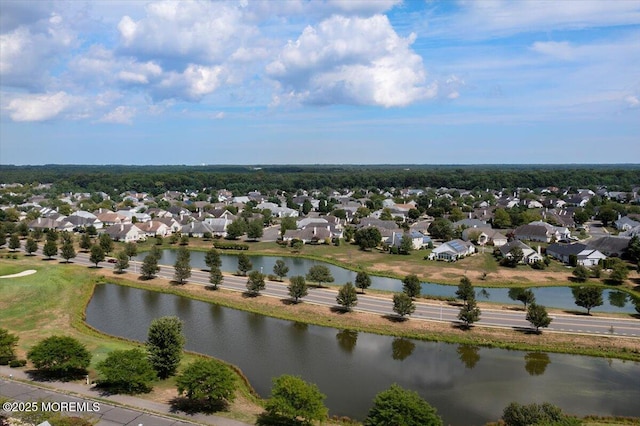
x,y
556,297
468,385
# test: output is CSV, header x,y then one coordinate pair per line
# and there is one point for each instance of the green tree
x,y
182,267
403,304
297,287
131,250
401,407
30,246
149,266
306,207
244,264
287,224
501,219
581,273
236,229
50,249
62,357
14,242
406,244
538,317
208,382
534,414
126,371
367,238
255,229
122,262
348,233
184,240
280,269
164,345
67,251
106,243
607,215
85,241
363,281
255,282
587,297
469,313
442,229
465,290
97,254
8,343
215,277
619,272
212,259
347,296
633,249
320,274
292,398
411,286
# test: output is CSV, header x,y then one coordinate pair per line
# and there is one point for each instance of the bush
x,y
60,356
223,245
17,363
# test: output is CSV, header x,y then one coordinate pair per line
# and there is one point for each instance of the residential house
x,y
584,256
625,223
418,240
529,255
609,245
278,211
452,250
484,236
312,234
218,226
154,228
44,223
196,229
125,232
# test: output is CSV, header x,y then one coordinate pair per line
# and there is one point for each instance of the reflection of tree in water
x,y
468,355
402,348
347,340
617,298
484,293
536,363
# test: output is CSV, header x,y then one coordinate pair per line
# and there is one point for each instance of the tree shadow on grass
x,y
462,326
48,259
269,419
339,310
106,389
249,295
395,318
290,302
527,330
211,288
52,376
574,312
191,406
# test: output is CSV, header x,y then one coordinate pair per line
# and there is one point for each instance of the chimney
x,y
539,251
121,227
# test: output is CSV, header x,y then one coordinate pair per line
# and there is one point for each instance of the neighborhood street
x,y
432,310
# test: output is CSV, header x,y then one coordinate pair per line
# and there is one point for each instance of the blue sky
x,y
312,82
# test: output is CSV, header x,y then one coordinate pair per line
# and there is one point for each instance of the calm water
x,y
556,297
468,385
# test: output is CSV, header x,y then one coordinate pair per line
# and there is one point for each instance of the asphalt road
x,y
435,311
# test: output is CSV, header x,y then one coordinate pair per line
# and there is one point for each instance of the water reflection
x,y
469,355
618,299
536,363
347,340
264,348
401,348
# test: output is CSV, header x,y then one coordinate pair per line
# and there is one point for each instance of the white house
x,y
452,250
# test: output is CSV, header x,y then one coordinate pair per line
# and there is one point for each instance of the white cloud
x,y
632,101
195,82
120,115
503,17
366,7
560,50
351,60
40,107
189,31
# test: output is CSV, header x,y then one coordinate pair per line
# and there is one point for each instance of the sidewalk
x,y
125,402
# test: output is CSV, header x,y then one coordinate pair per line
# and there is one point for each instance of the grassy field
x,y
52,302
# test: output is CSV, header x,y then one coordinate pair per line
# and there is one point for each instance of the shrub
x,y
17,363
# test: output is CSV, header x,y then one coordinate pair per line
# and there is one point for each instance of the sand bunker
x,y
21,274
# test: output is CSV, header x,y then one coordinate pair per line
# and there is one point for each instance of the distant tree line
x,y
242,179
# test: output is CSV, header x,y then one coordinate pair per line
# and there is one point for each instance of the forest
x,y
290,178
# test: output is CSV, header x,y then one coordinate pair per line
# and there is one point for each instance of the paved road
x,y
437,311
74,399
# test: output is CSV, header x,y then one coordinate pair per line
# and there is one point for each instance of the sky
x,y
319,82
